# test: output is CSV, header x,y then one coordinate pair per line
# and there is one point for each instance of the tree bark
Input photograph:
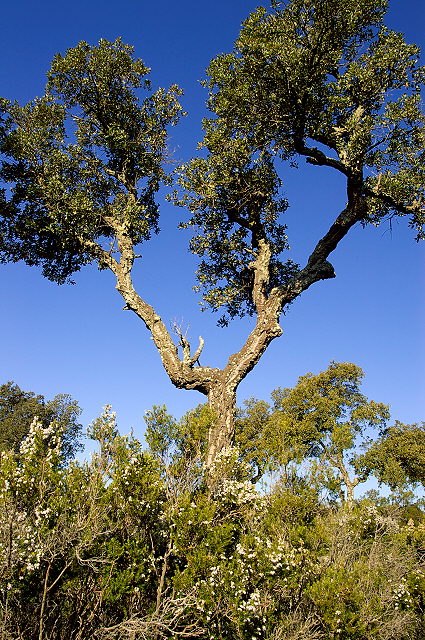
x,y
222,401
350,485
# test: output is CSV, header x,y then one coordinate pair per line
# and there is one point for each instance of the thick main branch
x,y
181,372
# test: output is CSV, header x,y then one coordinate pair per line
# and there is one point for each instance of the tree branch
x,y
197,354
185,344
318,267
261,266
267,326
181,372
417,205
317,157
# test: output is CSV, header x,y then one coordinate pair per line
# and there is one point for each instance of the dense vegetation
x,y
134,544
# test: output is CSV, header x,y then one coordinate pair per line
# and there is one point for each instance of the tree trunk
x,y
350,486
222,401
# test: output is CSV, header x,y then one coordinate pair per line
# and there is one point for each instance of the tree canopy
x,y
327,422
19,408
397,458
321,81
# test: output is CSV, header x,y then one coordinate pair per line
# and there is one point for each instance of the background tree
x,y
321,80
19,408
397,458
324,419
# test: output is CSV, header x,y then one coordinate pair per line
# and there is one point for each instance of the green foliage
x,y
397,458
324,419
179,446
77,534
237,204
86,158
325,413
19,408
137,543
322,80
362,585
134,544
250,435
325,81
313,79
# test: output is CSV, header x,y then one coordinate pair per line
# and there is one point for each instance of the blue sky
x,y
77,340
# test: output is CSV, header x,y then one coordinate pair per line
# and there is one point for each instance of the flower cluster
x,y
232,492
402,596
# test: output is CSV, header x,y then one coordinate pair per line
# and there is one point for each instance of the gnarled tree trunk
x,y
220,385
222,401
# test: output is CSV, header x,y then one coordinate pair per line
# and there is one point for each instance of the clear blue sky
x,y
77,340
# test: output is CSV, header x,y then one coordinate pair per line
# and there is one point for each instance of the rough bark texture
x,y
350,484
222,400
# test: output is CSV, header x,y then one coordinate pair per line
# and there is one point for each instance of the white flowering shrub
x,y
367,576
75,536
134,544
28,484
